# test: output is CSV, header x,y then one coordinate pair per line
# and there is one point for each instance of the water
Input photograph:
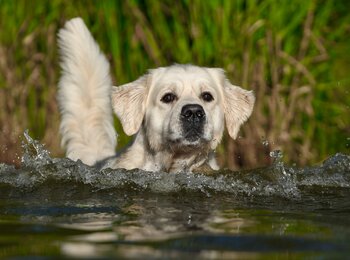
x,y
56,208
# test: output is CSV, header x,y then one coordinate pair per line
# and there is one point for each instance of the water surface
x,y
52,207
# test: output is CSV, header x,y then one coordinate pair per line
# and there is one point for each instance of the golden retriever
x,y
176,113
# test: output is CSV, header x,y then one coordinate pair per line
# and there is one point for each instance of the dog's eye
x,y
206,96
168,98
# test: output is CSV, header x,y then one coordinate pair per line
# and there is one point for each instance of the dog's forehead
x,y
187,77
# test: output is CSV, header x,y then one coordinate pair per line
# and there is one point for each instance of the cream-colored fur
x,y
164,138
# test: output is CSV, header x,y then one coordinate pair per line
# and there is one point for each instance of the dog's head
x,y
182,107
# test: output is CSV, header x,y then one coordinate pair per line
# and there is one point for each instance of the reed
x,y
293,55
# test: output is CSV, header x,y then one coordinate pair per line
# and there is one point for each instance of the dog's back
x,y
84,96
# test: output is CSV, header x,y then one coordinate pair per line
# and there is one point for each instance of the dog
x,y
176,113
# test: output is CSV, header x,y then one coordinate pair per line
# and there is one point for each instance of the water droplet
x,y
265,143
276,154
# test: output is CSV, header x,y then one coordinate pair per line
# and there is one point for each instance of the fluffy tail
x,y
84,96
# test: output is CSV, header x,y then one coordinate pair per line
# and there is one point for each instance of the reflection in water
x,y
57,207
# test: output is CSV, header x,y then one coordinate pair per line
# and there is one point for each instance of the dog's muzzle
x,y
192,119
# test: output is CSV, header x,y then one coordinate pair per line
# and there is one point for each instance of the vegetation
x,y
294,55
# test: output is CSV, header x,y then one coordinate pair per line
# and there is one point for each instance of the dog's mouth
x,y
193,135
192,138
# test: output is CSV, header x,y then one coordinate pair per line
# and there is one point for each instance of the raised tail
x,y
84,96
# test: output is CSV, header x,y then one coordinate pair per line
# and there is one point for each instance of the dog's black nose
x,y
193,112
193,121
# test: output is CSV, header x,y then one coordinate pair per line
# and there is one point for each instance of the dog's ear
x,y
238,106
128,102
238,103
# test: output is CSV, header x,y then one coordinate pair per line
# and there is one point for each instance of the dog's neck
x,y
163,159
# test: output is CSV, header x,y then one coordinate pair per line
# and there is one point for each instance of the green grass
x,y
294,55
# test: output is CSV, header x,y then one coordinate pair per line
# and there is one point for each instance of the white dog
x,y
177,113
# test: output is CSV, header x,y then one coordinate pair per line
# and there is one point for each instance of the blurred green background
x,y
295,55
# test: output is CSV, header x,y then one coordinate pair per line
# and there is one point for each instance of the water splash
x,y
277,157
38,168
334,172
265,143
34,153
